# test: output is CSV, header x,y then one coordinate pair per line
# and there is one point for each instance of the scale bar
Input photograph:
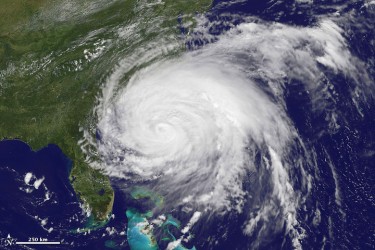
x,y
38,243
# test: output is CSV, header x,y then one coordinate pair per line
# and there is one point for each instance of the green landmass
x,y
50,80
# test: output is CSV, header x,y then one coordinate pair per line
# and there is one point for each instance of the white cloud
x,y
194,125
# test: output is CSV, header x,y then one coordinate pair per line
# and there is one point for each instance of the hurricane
x,y
188,125
210,129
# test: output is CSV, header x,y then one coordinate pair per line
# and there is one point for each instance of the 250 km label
x,y
37,239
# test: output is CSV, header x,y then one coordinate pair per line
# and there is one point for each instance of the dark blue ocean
x,y
23,207
45,205
351,148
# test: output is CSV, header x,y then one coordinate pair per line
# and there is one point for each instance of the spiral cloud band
x,y
210,131
193,119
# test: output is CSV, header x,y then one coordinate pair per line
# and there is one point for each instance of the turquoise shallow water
x,y
138,233
57,80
